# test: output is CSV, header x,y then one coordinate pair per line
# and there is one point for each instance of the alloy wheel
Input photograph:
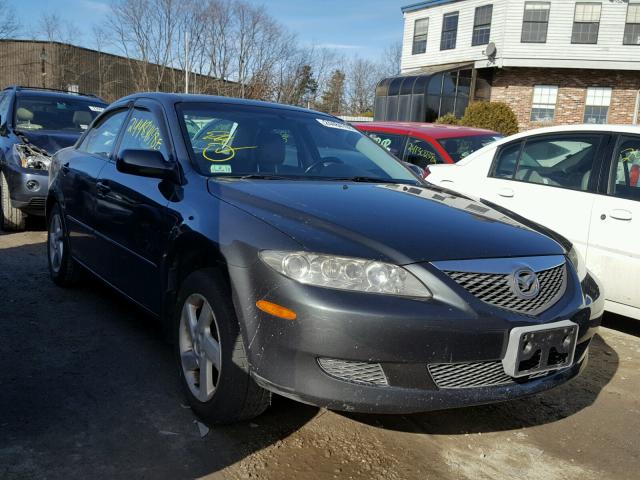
x,y
56,243
199,343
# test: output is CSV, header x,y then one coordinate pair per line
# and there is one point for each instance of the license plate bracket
x,y
540,348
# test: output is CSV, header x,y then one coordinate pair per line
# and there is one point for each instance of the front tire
x,y
11,219
63,269
212,361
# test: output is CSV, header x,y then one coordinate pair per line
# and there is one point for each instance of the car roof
x,y
43,92
585,127
169,99
420,129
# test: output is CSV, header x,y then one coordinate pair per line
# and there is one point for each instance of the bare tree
x,y
64,67
9,25
362,77
106,63
390,62
53,28
145,33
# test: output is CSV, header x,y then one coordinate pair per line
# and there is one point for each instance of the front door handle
x,y
621,214
506,192
65,168
103,188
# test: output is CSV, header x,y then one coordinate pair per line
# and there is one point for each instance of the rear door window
x,y
625,181
422,153
393,143
565,161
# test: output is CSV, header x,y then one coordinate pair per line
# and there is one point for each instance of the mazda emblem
x,y
525,283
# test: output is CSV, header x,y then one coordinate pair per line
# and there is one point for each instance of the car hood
x,y
401,223
50,141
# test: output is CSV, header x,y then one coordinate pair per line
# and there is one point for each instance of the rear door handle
x,y
506,192
103,188
620,214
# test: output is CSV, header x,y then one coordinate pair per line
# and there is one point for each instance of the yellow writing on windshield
x,y
219,148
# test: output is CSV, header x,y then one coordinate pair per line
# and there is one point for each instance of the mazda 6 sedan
x,y
285,252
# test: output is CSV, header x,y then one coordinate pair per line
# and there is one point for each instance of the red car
x,y
425,144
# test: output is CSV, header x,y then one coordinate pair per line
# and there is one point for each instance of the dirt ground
x,y
88,389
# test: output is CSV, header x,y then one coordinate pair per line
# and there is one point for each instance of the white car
x,y
582,181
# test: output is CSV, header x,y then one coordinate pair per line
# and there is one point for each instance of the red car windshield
x,y
460,147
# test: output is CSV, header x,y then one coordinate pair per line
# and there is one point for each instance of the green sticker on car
x,y
220,168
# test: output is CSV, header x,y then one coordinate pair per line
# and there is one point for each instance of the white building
x,y
557,61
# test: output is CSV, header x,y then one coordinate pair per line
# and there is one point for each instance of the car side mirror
x,y
147,163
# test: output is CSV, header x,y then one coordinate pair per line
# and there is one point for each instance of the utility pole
x,y
43,72
186,62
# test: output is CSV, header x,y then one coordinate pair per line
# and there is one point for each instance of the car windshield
x,y
55,113
460,147
239,140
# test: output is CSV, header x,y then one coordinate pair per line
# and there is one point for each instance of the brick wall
x,y
515,87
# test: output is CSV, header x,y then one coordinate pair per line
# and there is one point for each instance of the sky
x,y
355,27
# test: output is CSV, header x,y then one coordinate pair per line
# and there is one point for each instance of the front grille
x,y
37,202
496,289
472,375
354,372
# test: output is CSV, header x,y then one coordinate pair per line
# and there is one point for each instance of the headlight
x,y
578,262
29,157
346,273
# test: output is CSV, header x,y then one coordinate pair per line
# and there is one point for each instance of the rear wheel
x,y
11,219
63,269
211,358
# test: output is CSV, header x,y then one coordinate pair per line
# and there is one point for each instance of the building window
x,y
597,105
449,31
586,23
544,103
73,88
482,25
420,29
632,27
535,22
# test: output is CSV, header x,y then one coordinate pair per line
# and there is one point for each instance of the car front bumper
x,y
342,340
27,188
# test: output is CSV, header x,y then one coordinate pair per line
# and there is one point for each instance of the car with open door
x,y
286,252
582,181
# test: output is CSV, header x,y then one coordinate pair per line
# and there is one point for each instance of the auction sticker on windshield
x,y
338,125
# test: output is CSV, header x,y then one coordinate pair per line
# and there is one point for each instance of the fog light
x,y
33,185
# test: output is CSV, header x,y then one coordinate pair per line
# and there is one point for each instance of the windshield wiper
x,y
256,176
361,179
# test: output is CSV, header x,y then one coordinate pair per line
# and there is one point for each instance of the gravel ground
x,y
88,390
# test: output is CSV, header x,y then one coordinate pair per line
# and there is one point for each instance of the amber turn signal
x,y
276,310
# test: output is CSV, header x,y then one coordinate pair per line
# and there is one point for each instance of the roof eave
x,y
424,5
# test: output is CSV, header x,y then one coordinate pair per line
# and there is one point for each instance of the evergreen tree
x,y
333,96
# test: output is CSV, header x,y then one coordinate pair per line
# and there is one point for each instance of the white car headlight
x,y
31,158
578,262
346,273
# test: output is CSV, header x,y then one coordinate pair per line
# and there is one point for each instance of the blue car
x,y
286,252
34,124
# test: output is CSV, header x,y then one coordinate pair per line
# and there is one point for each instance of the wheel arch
x,y
187,253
